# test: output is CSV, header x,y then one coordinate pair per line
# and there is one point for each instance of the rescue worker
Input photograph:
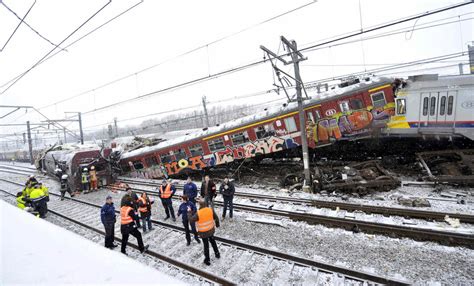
x,y
206,223
167,191
30,185
208,191
128,226
144,207
130,198
65,187
20,200
190,190
38,201
227,190
183,210
93,179
108,218
45,190
85,180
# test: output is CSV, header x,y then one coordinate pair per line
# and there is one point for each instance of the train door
x,y
451,108
433,108
424,109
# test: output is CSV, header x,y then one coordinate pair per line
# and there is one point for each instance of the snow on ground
x,y
34,251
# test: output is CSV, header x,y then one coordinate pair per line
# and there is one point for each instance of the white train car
x,y
431,105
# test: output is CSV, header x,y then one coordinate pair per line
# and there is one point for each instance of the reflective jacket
x,y
144,205
205,218
85,178
168,191
93,175
125,217
36,195
20,202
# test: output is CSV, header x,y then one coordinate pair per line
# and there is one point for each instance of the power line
x,y
47,54
22,20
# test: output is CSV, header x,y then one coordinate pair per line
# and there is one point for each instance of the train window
x,y
442,105
166,158
151,161
378,99
290,124
138,165
425,106
344,106
356,104
310,116
240,138
450,104
264,131
401,106
432,106
196,150
216,144
180,154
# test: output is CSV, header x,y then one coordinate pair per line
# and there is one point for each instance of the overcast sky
x,y
156,31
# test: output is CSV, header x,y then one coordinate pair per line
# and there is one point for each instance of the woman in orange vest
x,y
144,207
128,226
206,223
167,191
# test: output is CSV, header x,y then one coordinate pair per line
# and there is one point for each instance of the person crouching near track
x,y
167,191
108,218
144,207
186,206
128,226
38,201
206,223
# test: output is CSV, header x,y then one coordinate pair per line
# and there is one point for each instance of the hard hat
x,y
64,177
32,176
85,169
92,168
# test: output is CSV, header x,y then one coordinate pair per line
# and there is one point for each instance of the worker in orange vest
x,y
206,223
128,226
93,179
144,207
167,191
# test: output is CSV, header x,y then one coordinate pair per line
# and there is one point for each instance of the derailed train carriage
x,y
349,112
71,160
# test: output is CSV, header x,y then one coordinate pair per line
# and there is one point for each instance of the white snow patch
x,y
34,251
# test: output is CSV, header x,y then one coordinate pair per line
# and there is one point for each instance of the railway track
x,y
290,269
392,230
370,209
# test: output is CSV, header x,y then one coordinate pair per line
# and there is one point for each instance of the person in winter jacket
x,y
208,191
128,226
38,201
65,187
206,223
167,191
108,218
85,180
93,179
190,190
144,207
227,190
131,198
186,206
20,200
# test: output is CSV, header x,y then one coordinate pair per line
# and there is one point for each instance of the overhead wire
x,y
22,20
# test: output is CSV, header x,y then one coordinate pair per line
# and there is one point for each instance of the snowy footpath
x,y
36,252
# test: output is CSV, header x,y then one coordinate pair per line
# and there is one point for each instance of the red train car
x,y
346,113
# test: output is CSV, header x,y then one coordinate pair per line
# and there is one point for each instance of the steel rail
x,y
348,273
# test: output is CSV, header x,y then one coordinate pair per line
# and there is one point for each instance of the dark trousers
x,y
168,205
206,247
109,234
209,201
146,220
41,207
193,200
228,202
186,225
133,231
85,186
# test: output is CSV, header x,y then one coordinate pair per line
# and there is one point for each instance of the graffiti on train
x,y
348,124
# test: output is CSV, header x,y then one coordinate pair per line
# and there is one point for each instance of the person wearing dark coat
x,y
128,217
227,191
130,199
144,207
190,190
166,191
108,218
183,210
208,191
206,223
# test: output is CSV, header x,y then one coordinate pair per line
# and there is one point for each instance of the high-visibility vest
x,y
206,220
45,190
36,194
93,175
143,209
20,202
84,178
167,193
125,217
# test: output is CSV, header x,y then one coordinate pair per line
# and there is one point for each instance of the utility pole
x,y
116,127
296,57
80,128
205,110
65,138
30,147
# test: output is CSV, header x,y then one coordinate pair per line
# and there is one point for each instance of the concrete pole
x,y
80,128
205,110
30,146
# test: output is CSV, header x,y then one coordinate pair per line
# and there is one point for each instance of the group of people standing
x,y
199,222
89,180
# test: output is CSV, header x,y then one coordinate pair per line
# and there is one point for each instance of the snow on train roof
x,y
66,152
270,111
